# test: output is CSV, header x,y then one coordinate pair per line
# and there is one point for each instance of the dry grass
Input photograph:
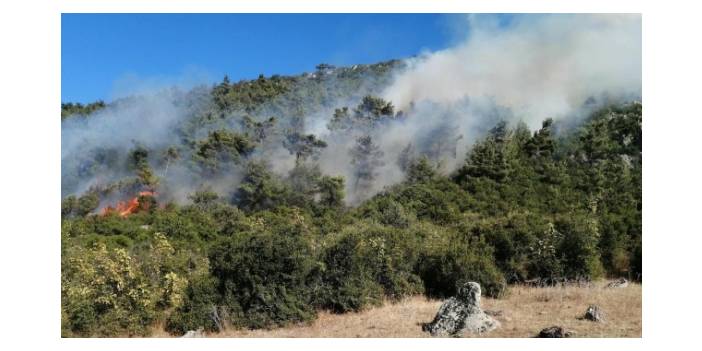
x,y
525,311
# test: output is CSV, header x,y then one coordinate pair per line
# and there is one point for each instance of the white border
x,y
30,146
307,6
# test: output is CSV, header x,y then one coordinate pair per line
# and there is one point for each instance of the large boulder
x,y
461,313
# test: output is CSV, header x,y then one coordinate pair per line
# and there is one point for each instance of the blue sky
x,y
104,56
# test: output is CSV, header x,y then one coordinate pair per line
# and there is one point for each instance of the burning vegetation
x,y
125,208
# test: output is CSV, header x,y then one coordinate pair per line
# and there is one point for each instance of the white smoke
x,y
533,68
536,67
539,66
146,120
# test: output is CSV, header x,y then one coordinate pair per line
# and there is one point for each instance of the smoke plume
x,y
538,65
530,68
533,68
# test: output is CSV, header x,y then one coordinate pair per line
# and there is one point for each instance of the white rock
x,y
462,314
194,334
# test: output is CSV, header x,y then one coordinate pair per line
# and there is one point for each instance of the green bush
x,y
439,200
189,225
525,245
449,257
263,278
366,263
260,189
578,248
195,312
387,211
103,293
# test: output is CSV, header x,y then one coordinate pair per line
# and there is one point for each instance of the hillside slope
x,y
260,203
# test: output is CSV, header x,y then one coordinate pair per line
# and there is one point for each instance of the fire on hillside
x,y
125,208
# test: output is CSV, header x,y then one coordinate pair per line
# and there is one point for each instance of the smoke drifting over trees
x,y
435,106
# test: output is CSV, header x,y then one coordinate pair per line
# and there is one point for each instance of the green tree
x,y
303,146
364,118
331,190
259,189
420,170
303,181
68,206
168,157
139,162
490,157
222,147
87,203
366,157
578,248
204,199
542,143
258,131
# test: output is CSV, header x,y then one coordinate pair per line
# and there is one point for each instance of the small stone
x,y
554,332
594,313
194,334
619,283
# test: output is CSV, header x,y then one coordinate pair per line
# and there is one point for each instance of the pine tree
x,y
366,157
303,146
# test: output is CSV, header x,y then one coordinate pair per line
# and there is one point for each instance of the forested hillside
x,y
258,203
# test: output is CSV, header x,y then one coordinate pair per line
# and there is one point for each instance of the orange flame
x,y
125,208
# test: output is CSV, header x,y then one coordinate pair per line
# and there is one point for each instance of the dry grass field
x,y
524,311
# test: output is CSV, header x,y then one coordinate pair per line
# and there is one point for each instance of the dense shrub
x,y
439,200
578,248
189,224
199,302
388,212
103,293
108,291
260,189
366,263
262,278
448,257
524,245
